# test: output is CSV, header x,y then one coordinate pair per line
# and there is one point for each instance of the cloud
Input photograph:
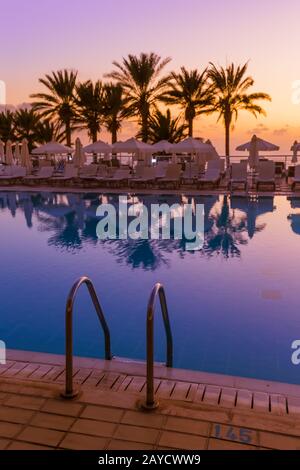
x,y
281,131
259,128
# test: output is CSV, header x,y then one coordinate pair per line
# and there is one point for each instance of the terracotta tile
x,y
9,429
3,396
211,395
4,367
17,367
199,393
26,402
143,419
294,405
244,399
165,388
4,443
63,407
28,370
40,372
127,445
261,401
41,436
278,441
101,413
188,426
81,442
180,391
95,428
36,391
108,380
51,421
137,434
228,397
15,415
136,384
176,440
278,404
9,387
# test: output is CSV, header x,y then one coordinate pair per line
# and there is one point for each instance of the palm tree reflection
x,y
71,222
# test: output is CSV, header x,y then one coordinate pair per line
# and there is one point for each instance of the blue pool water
x,y
234,305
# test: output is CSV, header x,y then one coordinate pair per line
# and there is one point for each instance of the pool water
x,y
234,305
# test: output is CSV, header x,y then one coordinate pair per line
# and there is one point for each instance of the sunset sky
x,y
40,36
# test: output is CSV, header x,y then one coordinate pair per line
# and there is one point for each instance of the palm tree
x,y
89,101
191,92
46,131
7,126
139,77
59,101
26,121
230,86
114,109
164,127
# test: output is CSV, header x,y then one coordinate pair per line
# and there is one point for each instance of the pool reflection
x,y
70,220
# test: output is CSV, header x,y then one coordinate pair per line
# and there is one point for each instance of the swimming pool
x,y
234,306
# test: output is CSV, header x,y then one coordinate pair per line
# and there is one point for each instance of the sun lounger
x,y
88,171
216,164
172,176
44,173
211,178
213,174
147,177
70,173
160,169
120,176
190,173
296,179
238,175
13,173
5,170
266,174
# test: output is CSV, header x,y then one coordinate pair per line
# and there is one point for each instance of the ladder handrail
x,y
158,290
69,392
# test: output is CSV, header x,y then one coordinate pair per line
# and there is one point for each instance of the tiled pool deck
x,y
197,410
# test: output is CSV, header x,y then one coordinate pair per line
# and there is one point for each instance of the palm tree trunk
x,y
68,133
114,136
227,143
94,136
190,122
145,128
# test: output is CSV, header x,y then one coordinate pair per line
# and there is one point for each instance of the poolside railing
x,y
69,390
157,291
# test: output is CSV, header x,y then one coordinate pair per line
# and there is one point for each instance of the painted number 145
x,y
232,433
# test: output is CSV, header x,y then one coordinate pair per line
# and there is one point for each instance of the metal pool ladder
x,y
69,391
158,290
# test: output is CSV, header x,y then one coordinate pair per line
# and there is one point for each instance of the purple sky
x,y
38,36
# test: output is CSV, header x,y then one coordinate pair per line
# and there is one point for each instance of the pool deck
x,y
197,410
